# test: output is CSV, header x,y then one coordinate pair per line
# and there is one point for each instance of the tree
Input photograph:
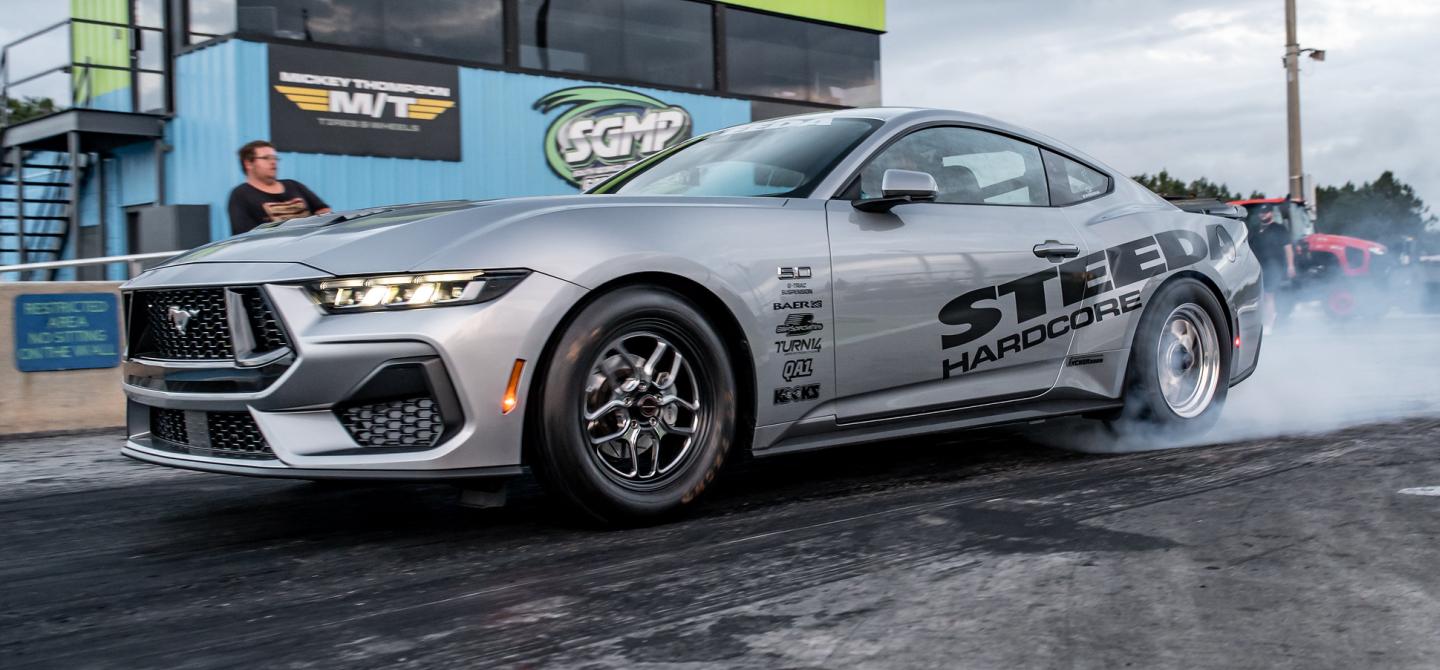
x,y
1384,210
1164,184
24,109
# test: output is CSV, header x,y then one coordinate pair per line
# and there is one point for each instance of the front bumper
x,y
466,354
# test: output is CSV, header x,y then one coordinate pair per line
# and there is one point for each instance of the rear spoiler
x,y
1210,206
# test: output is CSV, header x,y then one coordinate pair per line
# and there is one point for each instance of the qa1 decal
x,y
1086,277
607,129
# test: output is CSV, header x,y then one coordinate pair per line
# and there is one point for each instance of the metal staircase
x,y
39,198
44,158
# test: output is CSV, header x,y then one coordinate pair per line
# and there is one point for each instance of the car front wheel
x,y
638,407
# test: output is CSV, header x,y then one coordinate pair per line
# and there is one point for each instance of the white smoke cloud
x,y
1316,375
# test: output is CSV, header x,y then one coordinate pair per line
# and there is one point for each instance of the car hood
x,y
413,238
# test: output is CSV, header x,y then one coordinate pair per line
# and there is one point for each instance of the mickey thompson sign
x,y
332,102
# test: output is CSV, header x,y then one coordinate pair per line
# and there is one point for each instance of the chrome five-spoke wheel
x,y
641,409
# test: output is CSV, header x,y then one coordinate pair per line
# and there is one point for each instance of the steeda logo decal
x,y
607,129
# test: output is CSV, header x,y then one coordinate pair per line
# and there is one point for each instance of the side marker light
x,y
511,389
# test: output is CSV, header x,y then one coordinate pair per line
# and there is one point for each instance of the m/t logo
x,y
364,103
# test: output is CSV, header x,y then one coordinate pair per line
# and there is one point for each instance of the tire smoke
x,y
1317,374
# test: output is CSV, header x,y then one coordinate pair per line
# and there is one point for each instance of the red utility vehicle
x,y
1347,275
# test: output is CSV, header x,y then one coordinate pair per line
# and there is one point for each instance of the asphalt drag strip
x,y
984,550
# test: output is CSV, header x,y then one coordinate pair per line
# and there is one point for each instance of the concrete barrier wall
x,y
64,400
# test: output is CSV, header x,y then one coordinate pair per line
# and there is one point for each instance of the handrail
x,y
132,259
70,65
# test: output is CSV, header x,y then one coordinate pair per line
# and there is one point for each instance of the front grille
x,y
207,330
266,329
409,422
169,425
224,434
236,432
206,334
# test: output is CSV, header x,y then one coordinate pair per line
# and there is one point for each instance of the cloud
x,y
1197,88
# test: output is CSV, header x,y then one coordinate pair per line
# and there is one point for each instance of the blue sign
x,y
66,331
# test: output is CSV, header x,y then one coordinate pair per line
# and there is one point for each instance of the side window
x,y
1073,182
971,167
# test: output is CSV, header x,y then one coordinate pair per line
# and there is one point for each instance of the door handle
x,y
1054,249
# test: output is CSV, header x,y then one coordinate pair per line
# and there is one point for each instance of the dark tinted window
x,y
469,30
971,167
211,17
762,109
785,58
660,41
1072,182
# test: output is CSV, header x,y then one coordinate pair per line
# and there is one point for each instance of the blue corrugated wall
x,y
222,102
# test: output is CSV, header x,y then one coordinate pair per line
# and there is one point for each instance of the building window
x,y
667,42
765,109
797,60
210,19
468,30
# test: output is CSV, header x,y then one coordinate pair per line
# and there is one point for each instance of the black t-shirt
x,y
1269,242
250,206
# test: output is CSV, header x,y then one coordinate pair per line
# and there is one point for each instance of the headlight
x,y
365,294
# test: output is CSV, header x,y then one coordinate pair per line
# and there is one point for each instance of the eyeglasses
x,y
271,157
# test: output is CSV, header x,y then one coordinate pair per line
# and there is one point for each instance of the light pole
x,y
1292,99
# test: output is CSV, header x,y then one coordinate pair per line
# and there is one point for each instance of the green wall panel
x,y
101,45
859,13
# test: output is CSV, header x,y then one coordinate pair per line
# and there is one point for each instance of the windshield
x,y
782,158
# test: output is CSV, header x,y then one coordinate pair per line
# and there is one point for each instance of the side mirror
x,y
898,187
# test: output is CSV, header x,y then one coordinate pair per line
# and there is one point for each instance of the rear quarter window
x,y
1072,181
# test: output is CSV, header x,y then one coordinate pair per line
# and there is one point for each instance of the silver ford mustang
x,y
778,286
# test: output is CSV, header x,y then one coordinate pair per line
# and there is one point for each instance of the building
x,y
383,101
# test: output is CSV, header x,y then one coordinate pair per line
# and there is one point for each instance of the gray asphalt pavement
x,y
1290,543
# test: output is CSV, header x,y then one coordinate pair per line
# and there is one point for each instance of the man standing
x,y
1272,248
264,199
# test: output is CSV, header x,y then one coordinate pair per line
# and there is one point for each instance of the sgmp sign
x,y
604,130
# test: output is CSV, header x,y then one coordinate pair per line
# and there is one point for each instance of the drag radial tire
x,y
637,410
1179,370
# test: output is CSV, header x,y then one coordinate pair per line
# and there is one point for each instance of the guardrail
x,y
132,260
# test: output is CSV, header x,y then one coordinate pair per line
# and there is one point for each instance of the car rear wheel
x,y
1179,370
638,407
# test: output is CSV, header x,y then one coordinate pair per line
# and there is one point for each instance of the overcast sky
x,y
1197,87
